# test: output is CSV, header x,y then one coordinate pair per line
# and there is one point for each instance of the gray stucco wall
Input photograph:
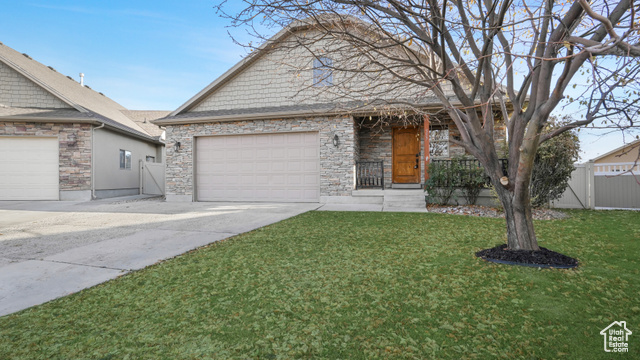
x,y
108,175
336,164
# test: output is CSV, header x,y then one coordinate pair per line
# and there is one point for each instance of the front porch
x,y
394,153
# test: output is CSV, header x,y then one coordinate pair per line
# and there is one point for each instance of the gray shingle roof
x,y
321,109
89,104
43,114
144,118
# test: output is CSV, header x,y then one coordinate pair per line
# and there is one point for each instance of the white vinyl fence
x,y
151,178
602,186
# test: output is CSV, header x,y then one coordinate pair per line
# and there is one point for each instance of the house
x,y
267,131
608,181
61,140
622,159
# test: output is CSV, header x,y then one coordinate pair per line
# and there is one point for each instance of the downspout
x,y
93,147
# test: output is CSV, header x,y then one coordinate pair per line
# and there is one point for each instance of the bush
x,y
446,177
439,187
473,181
553,167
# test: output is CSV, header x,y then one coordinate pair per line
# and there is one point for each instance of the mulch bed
x,y
484,211
540,258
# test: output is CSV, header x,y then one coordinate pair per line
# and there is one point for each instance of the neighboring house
x,y
610,181
264,131
61,140
623,159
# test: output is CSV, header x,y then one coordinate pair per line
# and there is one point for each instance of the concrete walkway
x,y
52,249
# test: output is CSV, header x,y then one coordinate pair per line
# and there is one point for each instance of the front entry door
x,y
406,155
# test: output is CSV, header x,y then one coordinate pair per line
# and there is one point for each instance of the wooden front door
x,y
406,155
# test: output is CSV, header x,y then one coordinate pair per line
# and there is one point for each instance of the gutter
x,y
275,115
23,118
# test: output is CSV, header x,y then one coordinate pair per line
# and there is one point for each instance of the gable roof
x,y
183,114
85,105
626,147
239,67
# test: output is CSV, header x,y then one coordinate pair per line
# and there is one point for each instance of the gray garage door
x,y
29,168
267,167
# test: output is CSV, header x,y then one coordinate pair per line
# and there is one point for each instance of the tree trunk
x,y
517,213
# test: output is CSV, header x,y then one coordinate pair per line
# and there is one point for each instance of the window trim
x,y
125,162
446,141
322,71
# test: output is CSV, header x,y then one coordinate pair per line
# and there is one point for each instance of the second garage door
x,y
28,168
267,167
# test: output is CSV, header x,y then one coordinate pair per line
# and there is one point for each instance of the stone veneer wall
x,y
336,164
375,145
75,159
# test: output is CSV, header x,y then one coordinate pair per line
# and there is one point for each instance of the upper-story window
x,y
322,71
439,141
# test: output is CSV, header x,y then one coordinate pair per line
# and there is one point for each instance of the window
x,y
125,159
151,158
439,141
322,72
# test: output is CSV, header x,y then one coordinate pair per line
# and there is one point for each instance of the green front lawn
x,y
355,286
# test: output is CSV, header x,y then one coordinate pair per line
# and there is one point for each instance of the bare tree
x,y
484,61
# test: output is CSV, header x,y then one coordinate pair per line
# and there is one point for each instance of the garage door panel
x,y
267,167
30,169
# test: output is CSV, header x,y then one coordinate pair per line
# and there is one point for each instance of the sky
x,y
149,55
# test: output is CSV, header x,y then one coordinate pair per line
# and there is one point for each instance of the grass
x,y
355,286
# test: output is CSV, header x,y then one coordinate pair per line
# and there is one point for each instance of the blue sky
x,y
144,54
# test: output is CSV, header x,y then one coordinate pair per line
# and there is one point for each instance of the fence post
x,y
141,167
590,181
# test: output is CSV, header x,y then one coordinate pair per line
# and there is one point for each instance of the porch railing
x,y
369,174
468,165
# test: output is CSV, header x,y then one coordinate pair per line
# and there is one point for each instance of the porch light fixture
x,y
336,140
72,139
177,145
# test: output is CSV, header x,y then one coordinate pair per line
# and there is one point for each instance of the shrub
x,y
439,187
446,177
553,164
553,167
473,180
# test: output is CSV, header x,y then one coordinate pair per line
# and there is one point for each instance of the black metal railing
x,y
465,169
369,174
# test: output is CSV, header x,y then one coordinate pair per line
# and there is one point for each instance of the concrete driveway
x,y
52,249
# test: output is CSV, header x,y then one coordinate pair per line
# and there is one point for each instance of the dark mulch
x,y
539,258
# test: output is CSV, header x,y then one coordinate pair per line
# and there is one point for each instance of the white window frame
x,y
322,72
443,140
125,159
